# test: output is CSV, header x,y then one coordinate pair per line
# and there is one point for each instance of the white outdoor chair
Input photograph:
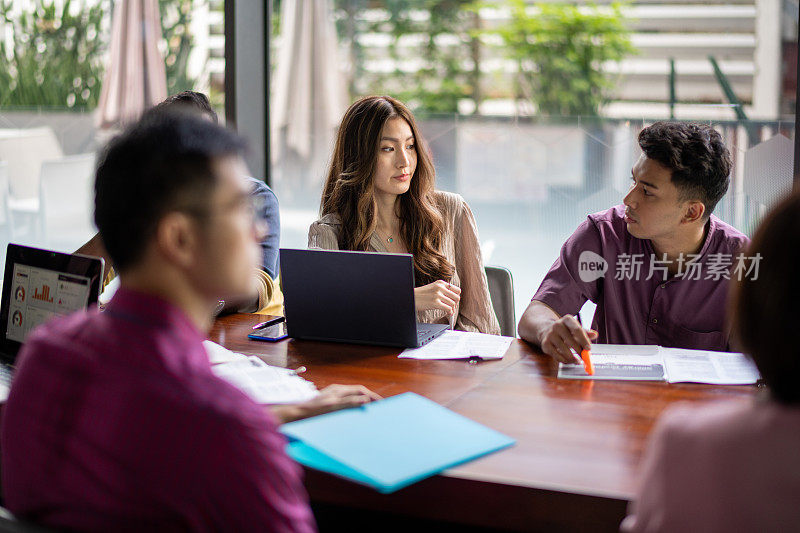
x,y
25,149
5,219
65,201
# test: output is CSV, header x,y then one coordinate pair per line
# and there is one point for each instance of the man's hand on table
x,y
563,334
555,334
331,398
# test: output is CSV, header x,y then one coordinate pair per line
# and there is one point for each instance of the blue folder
x,y
391,443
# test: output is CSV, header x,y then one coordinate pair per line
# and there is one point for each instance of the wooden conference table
x,y
578,442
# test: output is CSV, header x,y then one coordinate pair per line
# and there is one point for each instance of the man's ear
x,y
693,211
177,239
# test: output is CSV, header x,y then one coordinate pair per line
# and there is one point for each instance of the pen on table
x,y
299,370
586,356
267,323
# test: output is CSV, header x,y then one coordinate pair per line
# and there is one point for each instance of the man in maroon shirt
x,y
658,266
115,421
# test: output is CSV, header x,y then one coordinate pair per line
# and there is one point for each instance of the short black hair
x,y
188,101
160,164
695,154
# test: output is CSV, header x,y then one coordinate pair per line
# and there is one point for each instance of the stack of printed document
x,y
461,345
673,365
265,384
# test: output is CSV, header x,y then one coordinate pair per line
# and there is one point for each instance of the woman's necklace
x,y
385,235
389,238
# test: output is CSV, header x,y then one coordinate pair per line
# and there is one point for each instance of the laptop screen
x,y
41,284
345,296
38,294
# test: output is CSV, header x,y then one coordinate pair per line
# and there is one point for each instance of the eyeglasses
x,y
254,206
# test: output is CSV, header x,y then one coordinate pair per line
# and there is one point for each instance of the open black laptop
x,y
37,285
356,297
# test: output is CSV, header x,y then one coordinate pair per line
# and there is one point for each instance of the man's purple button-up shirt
x,y
115,422
684,311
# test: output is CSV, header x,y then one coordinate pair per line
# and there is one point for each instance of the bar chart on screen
x,y
43,294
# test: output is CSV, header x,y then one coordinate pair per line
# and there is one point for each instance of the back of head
x,y
764,304
188,101
695,154
161,164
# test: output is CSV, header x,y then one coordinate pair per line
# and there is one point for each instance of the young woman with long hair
x,y
379,196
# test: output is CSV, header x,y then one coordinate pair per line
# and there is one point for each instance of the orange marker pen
x,y
586,355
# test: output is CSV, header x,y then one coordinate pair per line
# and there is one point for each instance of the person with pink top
x,y
735,466
115,421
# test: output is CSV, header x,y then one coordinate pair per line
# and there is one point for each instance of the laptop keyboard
x,y
6,373
426,332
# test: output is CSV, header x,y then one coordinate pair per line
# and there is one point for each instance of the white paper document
x,y
461,345
698,366
656,363
219,354
265,384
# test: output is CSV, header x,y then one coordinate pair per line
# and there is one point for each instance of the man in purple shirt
x,y
115,421
658,266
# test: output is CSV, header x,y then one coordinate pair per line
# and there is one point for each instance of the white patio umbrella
x,y
136,77
308,96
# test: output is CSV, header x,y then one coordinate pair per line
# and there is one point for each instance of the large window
x,y
532,110
66,87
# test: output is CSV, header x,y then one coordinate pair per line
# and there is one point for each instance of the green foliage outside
x,y
55,60
442,80
57,57
445,47
560,50
175,19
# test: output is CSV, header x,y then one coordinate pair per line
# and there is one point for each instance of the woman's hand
x,y
437,295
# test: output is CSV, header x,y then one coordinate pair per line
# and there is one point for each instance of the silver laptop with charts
x,y
355,297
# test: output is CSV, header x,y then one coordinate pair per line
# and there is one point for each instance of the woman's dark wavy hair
x,y
763,309
349,189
